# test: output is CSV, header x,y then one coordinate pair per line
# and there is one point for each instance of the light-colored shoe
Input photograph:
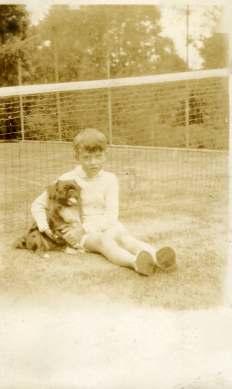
x,y
165,259
144,263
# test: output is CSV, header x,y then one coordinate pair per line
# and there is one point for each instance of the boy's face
x,y
92,161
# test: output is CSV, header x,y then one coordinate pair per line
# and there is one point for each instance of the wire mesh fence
x,y
150,179
155,124
179,110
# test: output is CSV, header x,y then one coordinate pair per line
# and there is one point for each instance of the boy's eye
x,y
89,157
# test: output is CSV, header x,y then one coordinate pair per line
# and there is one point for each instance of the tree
x,y
214,51
214,48
84,40
14,23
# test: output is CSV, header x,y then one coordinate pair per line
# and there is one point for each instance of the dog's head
x,y
65,192
34,241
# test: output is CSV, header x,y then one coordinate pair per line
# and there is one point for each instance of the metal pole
x,y
21,101
187,35
109,105
228,284
187,134
58,108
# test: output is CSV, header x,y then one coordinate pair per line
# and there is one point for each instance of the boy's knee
x,y
94,241
123,237
116,233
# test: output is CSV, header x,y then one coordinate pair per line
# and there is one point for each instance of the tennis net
x,y
187,109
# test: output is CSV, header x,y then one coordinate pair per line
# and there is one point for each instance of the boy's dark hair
x,y
90,139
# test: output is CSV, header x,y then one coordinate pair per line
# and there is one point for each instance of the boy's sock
x,y
144,263
165,259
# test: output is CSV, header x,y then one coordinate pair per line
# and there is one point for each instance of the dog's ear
x,y
66,185
74,185
52,191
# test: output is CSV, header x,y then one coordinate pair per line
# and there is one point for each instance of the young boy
x,y
104,233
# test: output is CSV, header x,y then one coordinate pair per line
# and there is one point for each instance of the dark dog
x,y
61,196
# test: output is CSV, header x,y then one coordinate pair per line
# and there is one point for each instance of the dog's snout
x,y
72,201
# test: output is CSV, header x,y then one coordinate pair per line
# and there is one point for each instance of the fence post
x,y
21,101
187,63
58,110
228,284
109,105
187,121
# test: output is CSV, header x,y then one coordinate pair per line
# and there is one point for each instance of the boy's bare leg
x,y
128,241
141,262
134,245
110,249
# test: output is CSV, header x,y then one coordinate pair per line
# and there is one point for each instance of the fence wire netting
x,y
184,112
151,180
152,128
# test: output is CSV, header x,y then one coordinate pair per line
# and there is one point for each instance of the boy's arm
x,y
38,210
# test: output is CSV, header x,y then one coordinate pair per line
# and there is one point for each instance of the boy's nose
x,y
93,161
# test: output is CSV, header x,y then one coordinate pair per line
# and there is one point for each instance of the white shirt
x,y
99,201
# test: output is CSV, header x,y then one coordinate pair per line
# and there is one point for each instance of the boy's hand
x,y
71,235
50,234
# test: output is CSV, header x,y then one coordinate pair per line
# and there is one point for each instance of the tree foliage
x,y
94,42
14,23
214,48
214,51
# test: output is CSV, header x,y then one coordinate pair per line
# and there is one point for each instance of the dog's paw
x,y
43,255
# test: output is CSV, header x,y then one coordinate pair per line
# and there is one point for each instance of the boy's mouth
x,y
93,169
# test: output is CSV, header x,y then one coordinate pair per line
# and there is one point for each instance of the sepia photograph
x,y
115,268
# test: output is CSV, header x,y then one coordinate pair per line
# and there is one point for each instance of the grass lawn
x,y
168,197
